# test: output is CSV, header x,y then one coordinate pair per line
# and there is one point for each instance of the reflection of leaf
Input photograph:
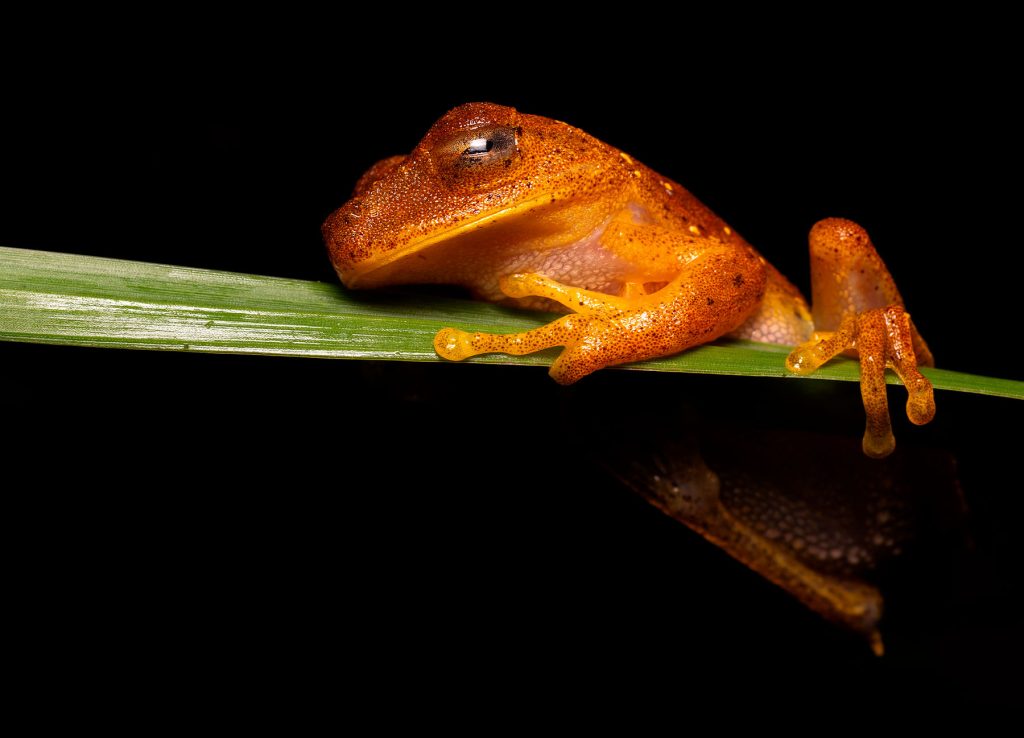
x,y
87,301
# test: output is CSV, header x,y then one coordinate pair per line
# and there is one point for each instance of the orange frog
x,y
530,209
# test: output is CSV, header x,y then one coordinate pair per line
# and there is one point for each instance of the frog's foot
x,y
709,298
883,337
581,333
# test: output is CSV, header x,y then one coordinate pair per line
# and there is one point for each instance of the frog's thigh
x,y
848,277
709,297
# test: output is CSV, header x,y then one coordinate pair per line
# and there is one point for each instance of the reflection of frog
x,y
804,510
524,207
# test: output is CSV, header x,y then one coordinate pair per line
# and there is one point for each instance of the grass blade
x,y
65,299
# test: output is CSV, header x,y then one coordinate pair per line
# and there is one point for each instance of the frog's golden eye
x,y
478,147
488,145
478,150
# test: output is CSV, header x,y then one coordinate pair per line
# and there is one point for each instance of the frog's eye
x,y
488,145
482,153
478,147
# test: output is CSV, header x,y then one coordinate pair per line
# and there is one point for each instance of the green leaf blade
x,y
64,299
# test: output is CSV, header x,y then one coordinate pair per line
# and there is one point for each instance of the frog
x,y
532,211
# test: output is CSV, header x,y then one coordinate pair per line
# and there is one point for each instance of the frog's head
x,y
485,179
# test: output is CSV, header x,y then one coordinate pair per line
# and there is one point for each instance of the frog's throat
x,y
371,265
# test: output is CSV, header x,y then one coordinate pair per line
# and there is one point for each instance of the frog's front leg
x,y
711,295
856,306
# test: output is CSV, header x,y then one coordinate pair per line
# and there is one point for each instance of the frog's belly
x,y
585,264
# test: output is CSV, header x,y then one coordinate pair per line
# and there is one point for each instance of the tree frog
x,y
527,209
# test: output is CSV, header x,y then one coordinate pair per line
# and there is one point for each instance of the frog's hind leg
x,y
593,310
857,307
709,297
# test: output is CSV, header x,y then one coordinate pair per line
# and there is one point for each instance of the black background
x,y
246,515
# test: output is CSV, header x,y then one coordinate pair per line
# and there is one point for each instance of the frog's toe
x,y
920,399
585,341
824,345
456,345
579,300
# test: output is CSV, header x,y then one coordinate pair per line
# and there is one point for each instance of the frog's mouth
x,y
463,252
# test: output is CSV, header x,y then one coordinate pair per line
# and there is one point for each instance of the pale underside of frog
x,y
530,210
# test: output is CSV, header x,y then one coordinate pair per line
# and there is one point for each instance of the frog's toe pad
x,y
453,344
921,400
878,444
